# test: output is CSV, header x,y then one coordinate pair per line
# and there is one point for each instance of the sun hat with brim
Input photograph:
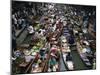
x,y
64,40
68,50
86,42
33,53
43,49
53,38
27,52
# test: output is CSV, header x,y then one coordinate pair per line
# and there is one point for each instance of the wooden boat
x,y
53,62
83,55
41,63
68,61
37,67
66,32
66,54
85,59
35,64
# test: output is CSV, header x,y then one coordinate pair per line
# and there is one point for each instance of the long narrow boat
x,y
83,55
40,64
66,54
68,61
53,63
34,65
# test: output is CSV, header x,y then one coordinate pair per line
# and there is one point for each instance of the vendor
x,y
71,40
42,53
30,30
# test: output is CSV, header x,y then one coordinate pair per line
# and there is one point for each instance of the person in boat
x,y
71,40
42,53
52,62
35,37
30,29
87,47
68,57
57,56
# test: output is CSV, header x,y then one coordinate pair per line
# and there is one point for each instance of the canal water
x,y
27,40
78,63
62,65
